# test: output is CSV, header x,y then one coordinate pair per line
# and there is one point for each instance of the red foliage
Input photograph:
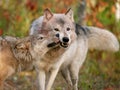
x,y
6,15
1,31
94,20
32,6
18,18
66,2
47,5
60,10
109,88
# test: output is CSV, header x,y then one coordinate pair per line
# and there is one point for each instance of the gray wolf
x,y
74,43
18,54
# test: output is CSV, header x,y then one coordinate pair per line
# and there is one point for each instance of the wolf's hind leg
x,y
74,77
66,75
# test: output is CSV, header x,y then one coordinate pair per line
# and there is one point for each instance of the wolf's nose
x,y
65,39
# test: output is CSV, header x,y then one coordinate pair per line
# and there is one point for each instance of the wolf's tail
x,y
102,39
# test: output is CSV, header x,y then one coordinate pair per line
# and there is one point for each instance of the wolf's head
x,y
36,45
41,43
60,26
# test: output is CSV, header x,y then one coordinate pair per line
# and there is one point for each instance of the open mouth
x,y
52,44
62,44
65,45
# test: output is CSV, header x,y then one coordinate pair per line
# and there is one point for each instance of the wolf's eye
x,y
56,29
68,29
40,38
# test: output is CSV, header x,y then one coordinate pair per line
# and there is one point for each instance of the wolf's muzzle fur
x,y
64,42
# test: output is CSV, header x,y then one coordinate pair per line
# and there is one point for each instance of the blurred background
x,y
101,70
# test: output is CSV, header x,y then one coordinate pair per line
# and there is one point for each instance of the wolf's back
x,y
102,39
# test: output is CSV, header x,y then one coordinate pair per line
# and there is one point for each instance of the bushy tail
x,y
102,39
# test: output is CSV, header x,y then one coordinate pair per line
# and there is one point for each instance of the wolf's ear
x,y
69,14
47,14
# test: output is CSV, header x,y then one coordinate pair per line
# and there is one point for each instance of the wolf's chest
x,y
51,58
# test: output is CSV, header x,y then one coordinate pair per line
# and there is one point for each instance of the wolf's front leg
x,y
41,79
52,78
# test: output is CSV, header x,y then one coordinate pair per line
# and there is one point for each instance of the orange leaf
x,y
1,31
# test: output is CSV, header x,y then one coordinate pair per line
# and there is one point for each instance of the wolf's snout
x,y
65,39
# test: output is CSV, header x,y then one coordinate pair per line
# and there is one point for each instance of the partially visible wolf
x,y
19,54
74,42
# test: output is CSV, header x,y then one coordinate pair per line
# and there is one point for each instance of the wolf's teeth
x,y
64,45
